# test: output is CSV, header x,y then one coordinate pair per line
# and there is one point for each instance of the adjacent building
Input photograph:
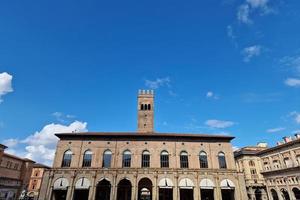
x,y
271,173
143,165
36,180
14,175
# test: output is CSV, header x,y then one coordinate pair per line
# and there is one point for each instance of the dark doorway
x,y
186,194
81,194
296,193
207,194
227,194
165,194
145,189
274,194
124,190
258,195
103,190
285,194
59,194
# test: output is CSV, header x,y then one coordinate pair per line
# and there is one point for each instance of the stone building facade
x,y
14,175
36,180
281,169
249,163
143,165
272,173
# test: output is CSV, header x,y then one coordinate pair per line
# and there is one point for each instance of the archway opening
x,y
103,190
296,192
81,194
207,194
258,194
165,193
186,189
227,194
145,189
59,195
207,189
124,190
285,194
274,194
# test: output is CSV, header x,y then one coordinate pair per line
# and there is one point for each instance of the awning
x,y
61,184
186,183
82,183
227,184
206,184
165,183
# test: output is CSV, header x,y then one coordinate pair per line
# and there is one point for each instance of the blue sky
x,y
227,67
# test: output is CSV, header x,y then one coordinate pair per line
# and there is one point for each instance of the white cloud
x,y
61,117
5,84
159,82
213,123
293,82
40,146
243,14
251,7
11,142
230,32
292,61
257,3
274,130
251,51
211,95
296,116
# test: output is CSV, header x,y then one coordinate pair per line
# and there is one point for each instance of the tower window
x,y
149,107
142,106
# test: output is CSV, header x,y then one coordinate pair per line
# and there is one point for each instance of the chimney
x,y
279,143
287,139
297,135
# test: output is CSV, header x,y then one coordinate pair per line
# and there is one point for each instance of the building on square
x,y
35,180
271,172
14,174
143,165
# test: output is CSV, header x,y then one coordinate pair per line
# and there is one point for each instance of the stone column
x,y
176,189
93,187
134,188
279,193
114,188
293,157
217,190
154,188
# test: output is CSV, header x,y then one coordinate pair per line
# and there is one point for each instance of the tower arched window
x,y
203,159
106,162
184,160
87,158
222,160
142,106
126,159
146,158
149,106
67,158
164,159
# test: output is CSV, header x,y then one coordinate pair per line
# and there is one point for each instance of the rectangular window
x,y
146,160
184,161
126,160
164,161
106,161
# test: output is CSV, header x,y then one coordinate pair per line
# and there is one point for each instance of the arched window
x,y
251,163
146,159
106,162
87,158
164,159
149,107
222,160
67,158
184,160
126,159
203,160
142,106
